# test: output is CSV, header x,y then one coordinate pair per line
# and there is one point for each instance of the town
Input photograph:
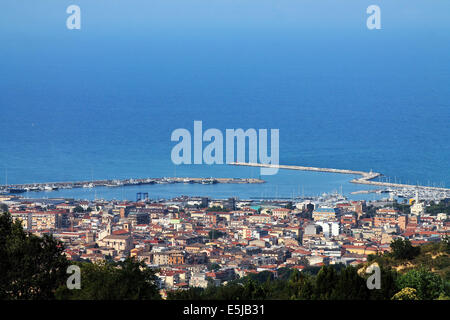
x,y
199,241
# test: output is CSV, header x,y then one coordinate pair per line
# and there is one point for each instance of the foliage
x,y
433,256
406,294
330,283
31,267
441,207
403,249
35,267
127,280
402,208
429,286
78,209
215,234
3,208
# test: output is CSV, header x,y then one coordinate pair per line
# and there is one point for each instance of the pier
x,y
366,177
52,186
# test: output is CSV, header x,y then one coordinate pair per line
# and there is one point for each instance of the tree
x,y
127,280
429,286
444,245
388,286
3,208
350,286
325,283
31,267
306,291
194,293
215,234
78,209
403,249
261,277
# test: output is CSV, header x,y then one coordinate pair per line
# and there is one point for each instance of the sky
x,y
124,18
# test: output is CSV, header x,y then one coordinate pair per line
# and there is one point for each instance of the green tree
x,y
429,286
215,234
127,280
194,293
78,209
299,286
325,283
403,249
388,285
31,267
3,208
350,286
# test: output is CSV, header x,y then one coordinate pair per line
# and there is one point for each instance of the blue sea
x,y
101,102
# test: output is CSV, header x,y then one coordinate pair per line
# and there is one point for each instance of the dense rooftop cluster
x,y
196,241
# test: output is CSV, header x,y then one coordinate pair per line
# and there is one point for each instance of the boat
x,y
16,190
209,181
50,188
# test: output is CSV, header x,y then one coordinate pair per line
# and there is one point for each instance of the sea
x,y
102,102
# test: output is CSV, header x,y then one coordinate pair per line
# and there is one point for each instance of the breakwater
x,y
51,186
365,177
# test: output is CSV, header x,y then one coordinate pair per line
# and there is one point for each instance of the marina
x,y
367,178
53,186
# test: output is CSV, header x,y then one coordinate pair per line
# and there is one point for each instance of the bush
x,y
429,286
406,294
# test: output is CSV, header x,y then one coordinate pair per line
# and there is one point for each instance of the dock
x,y
365,177
52,186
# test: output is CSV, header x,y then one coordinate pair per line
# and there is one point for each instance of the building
x,y
324,214
48,220
198,280
281,213
329,229
120,243
169,258
137,218
24,217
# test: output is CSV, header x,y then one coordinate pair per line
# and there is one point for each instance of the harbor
x,y
53,186
367,178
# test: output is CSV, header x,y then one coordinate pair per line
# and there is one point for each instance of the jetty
x,y
52,186
365,177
